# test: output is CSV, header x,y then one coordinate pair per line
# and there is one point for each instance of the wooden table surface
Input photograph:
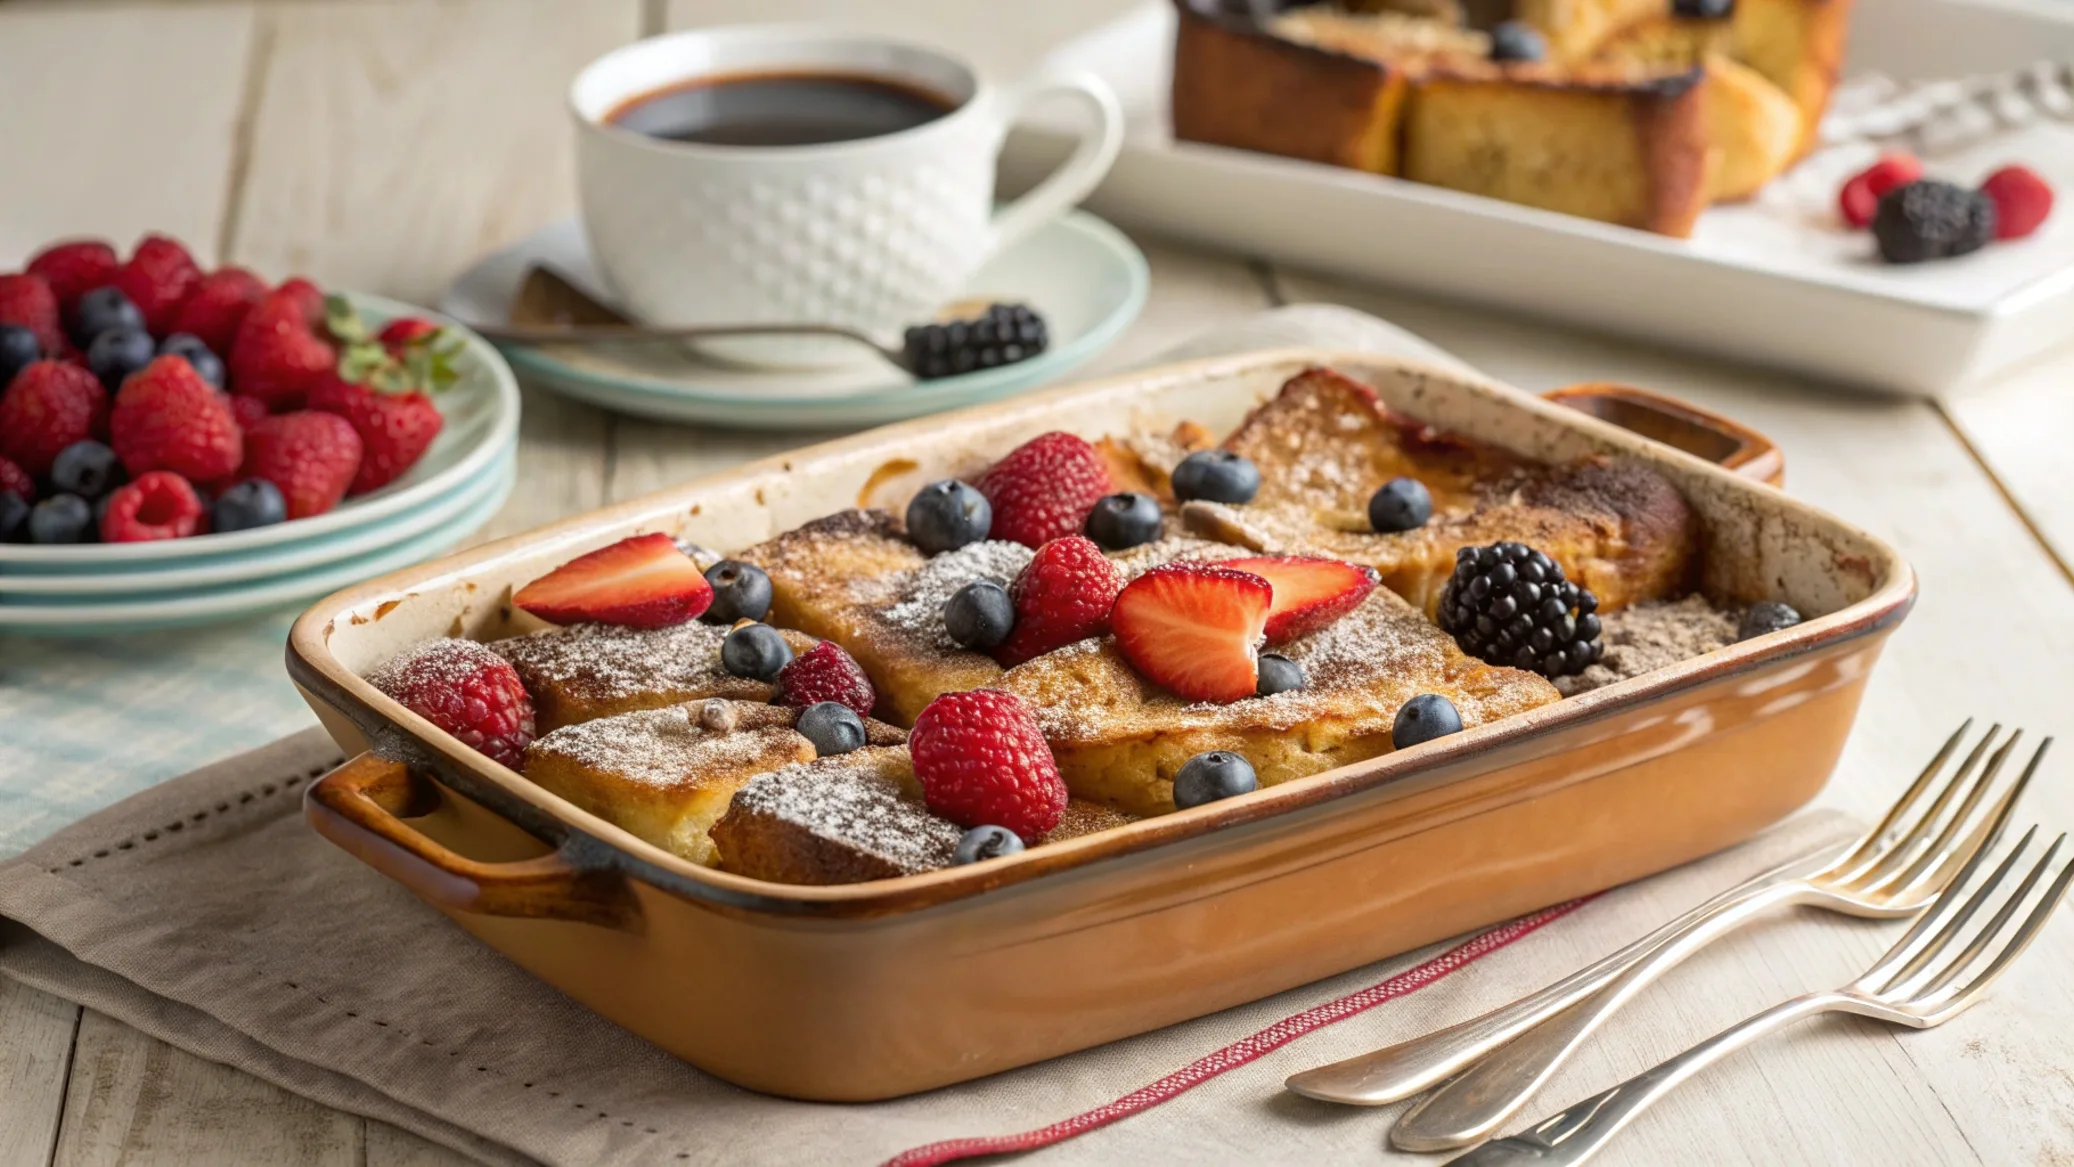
x,y
383,145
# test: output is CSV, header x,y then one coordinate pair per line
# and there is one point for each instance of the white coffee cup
x,y
873,233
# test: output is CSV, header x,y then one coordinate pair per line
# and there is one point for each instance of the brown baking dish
x,y
879,989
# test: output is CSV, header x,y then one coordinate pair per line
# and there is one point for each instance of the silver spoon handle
x,y
1402,1070
605,333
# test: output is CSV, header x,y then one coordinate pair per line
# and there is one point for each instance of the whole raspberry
x,y
15,480
1063,596
75,268
218,306
2023,200
27,300
158,279
50,405
466,690
167,418
826,673
982,761
1044,489
277,355
310,457
158,505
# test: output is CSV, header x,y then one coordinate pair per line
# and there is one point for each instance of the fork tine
x,y
2025,933
1947,915
1910,850
1875,840
1985,835
1880,842
1989,930
1940,848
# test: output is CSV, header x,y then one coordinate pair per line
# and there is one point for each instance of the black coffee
x,y
780,109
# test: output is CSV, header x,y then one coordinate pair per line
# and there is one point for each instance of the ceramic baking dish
x,y
880,989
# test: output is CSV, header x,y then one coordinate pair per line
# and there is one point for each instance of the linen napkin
x,y
206,913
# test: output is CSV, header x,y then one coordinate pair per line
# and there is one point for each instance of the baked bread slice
x,y
1119,739
1799,46
851,577
1325,443
665,775
1599,144
587,671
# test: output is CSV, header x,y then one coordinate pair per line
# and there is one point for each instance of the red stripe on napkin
x,y
1242,1051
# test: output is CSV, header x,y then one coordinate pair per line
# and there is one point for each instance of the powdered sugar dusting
x,y
853,801
1652,636
669,747
917,615
432,665
607,662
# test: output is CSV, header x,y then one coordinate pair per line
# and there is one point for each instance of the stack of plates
x,y
458,485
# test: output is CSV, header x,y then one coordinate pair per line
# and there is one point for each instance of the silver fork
x,y
1917,984
1471,1106
1827,878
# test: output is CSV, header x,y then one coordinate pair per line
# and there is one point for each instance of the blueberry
x,y
741,591
1216,476
14,517
18,350
117,353
833,727
86,468
1423,718
254,502
985,843
1514,41
979,615
1401,504
197,354
61,518
1278,674
1703,9
946,515
103,310
755,651
1766,616
1211,776
1123,520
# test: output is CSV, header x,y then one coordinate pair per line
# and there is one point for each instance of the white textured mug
x,y
873,233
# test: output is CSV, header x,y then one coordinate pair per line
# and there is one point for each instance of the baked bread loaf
x,y
587,671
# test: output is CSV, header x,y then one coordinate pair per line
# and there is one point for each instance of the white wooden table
x,y
381,145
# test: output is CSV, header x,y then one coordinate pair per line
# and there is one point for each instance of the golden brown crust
x,y
1235,85
1325,443
1799,45
587,671
845,819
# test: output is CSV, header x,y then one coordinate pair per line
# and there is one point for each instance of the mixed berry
x,y
1915,219
144,398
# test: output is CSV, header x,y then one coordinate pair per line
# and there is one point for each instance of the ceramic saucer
x,y
1083,275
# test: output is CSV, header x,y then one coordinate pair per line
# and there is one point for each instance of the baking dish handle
x,y
1703,433
361,807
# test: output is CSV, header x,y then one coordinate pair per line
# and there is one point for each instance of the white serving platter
x,y
1777,281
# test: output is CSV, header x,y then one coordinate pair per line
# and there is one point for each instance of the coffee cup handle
x,y
1072,181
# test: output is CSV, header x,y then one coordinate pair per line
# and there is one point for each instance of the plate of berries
x,y
165,429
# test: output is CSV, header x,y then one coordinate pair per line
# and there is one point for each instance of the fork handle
x,y
1402,1070
1576,1134
1471,1105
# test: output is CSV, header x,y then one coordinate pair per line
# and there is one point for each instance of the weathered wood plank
x,y
395,143
2018,426
86,88
35,1052
1992,1086
135,1099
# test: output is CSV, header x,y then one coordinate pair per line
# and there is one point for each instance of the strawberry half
x,y
1309,593
1195,628
641,582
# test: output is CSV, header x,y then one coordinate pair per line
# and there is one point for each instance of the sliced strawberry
x,y
1195,628
1309,593
641,582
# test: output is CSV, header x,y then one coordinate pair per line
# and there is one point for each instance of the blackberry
x,y
1510,605
1928,219
1002,335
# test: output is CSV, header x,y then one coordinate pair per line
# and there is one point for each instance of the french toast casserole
x,y
1634,112
1079,635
